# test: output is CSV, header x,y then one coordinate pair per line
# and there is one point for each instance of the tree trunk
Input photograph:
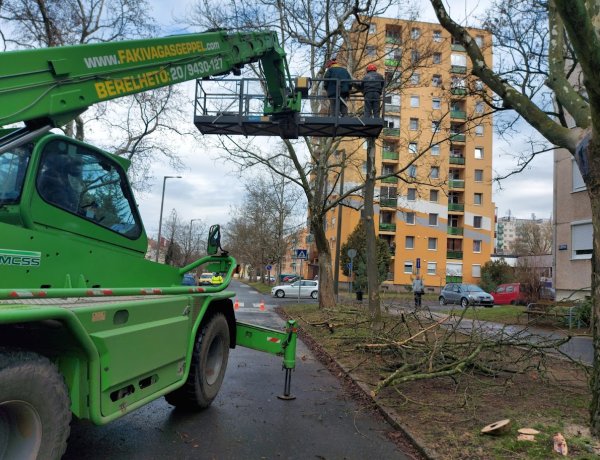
x,y
369,223
326,292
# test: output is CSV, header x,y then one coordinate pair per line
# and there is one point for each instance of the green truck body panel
x,y
74,282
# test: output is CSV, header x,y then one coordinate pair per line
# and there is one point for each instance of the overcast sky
x,y
210,187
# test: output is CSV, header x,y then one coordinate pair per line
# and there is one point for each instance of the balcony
x,y
395,132
455,183
392,62
455,231
392,108
457,160
387,227
457,47
389,155
390,180
454,254
461,114
458,91
453,279
388,202
458,69
393,39
455,137
456,207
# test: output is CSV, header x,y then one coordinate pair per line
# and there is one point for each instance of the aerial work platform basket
x,y
237,107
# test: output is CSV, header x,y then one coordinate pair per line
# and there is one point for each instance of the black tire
x,y
279,294
314,294
464,302
209,362
35,413
442,301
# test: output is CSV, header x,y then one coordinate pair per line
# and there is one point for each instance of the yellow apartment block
x,y
434,209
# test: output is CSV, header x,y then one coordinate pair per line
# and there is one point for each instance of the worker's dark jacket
x,y
372,82
337,72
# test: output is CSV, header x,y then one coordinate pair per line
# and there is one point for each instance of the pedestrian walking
x,y
418,290
372,88
337,75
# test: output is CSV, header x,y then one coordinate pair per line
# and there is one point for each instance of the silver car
x,y
465,295
306,288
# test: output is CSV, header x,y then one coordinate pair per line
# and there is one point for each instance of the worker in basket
x,y
216,279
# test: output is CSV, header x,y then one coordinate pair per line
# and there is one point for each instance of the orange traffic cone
x,y
236,304
262,305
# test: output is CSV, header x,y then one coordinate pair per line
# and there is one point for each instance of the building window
x,y
479,85
415,33
414,124
431,268
413,147
412,171
433,219
477,221
459,60
411,195
479,175
437,36
409,242
435,149
433,196
478,198
476,245
436,103
578,183
582,240
432,244
479,153
414,101
479,130
435,126
479,40
479,107
476,271
371,50
372,28
437,58
435,172
392,122
415,78
410,218
436,80
408,266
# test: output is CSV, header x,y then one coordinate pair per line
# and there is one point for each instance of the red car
x,y
511,293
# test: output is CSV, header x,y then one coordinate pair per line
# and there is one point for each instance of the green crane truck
x,y
88,326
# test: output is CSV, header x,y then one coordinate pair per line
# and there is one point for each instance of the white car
x,y
306,288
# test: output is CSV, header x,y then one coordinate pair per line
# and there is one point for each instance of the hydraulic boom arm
x,y
51,86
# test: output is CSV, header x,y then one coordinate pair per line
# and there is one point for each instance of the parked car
x,y
306,288
511,293
289,278
205,279
465,295
189,279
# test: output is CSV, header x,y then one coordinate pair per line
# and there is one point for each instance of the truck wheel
x,y
209,361
35,413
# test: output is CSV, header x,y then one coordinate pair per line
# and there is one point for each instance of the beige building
x,y
435,209
573,232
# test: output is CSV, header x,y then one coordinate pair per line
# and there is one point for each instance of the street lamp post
x,y
162,202
190,236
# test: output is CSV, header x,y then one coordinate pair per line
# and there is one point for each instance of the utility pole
x,y
336,263
162,202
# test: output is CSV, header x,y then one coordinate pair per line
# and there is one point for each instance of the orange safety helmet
x,y
331,62
371,67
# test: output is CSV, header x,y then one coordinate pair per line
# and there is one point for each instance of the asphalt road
x,y
247,420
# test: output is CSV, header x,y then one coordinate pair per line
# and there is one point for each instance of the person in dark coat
x,y
372,87
336,73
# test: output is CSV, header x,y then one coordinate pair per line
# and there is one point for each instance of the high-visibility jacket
x,y
217,279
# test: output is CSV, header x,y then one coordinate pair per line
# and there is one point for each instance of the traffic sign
x,y
268,268
301,253
418,262
349,265
352,253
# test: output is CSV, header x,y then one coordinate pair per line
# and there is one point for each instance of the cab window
x,y
13,166
88,184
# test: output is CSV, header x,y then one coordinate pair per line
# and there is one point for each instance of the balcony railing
x,y
457,161
460,207
384,227
392,108
456,137
388,202
455,183
393,39
458,69
458,114
458,91
453,279
392,62
388,155
391,131
390,180
454,254
457,47
456,231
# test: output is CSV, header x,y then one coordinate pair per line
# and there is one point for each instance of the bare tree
x,y
551,82
533,238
